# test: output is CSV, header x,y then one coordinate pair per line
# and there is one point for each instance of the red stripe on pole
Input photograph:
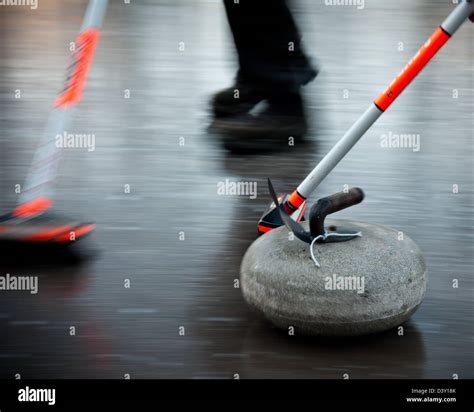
x,y
86,44
411,70
296,200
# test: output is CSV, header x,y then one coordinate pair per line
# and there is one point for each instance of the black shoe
x,y
281,119
238,99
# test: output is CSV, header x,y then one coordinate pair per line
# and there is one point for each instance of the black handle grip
x,y
332,204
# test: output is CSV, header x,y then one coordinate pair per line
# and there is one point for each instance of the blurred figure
x,y
272,69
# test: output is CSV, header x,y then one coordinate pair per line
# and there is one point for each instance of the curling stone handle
x,y
332,204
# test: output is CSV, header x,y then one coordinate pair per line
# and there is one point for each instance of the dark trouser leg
x,y
268,44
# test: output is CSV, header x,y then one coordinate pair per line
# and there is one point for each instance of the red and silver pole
x,y
442,34
37,193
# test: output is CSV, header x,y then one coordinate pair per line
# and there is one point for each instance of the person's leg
x,y
268,44
272,67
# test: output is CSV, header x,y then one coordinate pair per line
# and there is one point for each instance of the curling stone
x,y
369,278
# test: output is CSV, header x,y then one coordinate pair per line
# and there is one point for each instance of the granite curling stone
x,y
366,285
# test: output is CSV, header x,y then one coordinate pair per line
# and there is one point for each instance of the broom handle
x,y
39,184
442,34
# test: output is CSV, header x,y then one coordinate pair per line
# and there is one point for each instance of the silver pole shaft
x,y
458,16
341,148
94,14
